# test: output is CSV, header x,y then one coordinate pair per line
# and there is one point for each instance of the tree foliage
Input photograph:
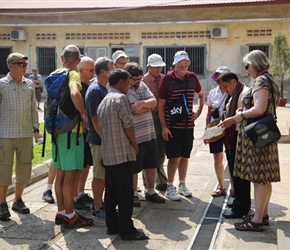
x,y
280,66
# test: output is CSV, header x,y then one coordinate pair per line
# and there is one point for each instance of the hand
x,y
227,122
194,115
166,134
136,107
38,138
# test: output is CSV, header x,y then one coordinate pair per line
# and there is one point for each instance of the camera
x,y
215,113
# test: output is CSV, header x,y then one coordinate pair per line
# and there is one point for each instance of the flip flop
x,y
138,235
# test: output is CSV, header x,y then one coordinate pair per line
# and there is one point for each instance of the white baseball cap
x,y
180,55
155,60
118,54
218,71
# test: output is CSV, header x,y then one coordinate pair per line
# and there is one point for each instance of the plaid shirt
x,y
18,113
114,115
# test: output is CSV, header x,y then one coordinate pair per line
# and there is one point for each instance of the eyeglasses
x,y
90,70
20,64
136,79
247,66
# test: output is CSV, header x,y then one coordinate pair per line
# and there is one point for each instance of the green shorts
x,y
68,158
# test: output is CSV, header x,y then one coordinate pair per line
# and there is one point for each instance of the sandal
x,y
219,192
249,226
154,198
249,217
138,235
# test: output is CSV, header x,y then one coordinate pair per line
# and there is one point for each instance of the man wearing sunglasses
x,y
18,123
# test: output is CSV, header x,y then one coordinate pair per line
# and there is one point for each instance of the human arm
x,y
142,106
200,104
96,124
259,108
78,102
161,112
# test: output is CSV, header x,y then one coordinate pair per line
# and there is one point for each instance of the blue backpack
x,y
60,114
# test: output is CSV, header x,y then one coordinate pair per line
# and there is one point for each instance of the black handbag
x,y
263,130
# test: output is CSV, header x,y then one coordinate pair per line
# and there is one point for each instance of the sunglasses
x,y
247,66
20,64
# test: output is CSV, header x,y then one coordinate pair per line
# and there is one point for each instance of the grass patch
x,y
37,149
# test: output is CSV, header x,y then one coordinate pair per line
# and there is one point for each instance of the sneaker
x,y
4,212
59,219
20,207
172,194
136,202
99,214
47,196
77,221
38,108
78,205
86,199
182,189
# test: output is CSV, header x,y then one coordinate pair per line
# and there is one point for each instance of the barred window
x,y
195,53
264,48
46,60
4,52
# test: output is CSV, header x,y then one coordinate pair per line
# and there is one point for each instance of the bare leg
x,y
150,176
19,190
261,197
58,189
3,193
51,174
68,189
182,168
269,193
219,168
98,186
172,165
82,180
135,182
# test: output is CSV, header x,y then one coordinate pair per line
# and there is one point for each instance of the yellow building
x,y
214,33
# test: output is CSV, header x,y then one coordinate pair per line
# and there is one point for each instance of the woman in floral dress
x,y
258,165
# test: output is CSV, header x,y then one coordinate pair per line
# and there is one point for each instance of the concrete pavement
x,y
172,225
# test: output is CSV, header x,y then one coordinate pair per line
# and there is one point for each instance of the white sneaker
x,y
172,194
182,189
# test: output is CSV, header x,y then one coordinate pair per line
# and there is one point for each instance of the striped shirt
x,y
143,123
18,114
114,114
172,88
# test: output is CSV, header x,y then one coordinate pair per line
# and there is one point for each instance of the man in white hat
x,y
120,59
153,79
177,118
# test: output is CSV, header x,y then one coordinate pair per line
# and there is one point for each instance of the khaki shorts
x,y
23,147
99,170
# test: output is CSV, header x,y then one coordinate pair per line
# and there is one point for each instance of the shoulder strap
x,y
272,91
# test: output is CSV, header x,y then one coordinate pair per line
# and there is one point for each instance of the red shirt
x,y
172,88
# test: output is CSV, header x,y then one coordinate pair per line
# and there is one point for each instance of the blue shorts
x,y
180,145
68,158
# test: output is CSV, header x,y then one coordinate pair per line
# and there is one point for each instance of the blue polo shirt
x,y
95,94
